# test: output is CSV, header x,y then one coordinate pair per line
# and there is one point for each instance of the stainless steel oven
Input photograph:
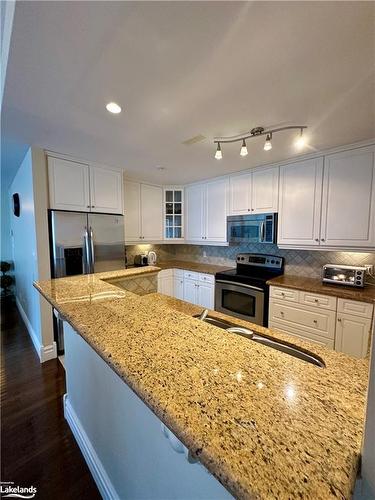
x,y
243,292
240,300
252,228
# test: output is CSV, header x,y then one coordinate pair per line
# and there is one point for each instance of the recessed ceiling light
x,y
113,107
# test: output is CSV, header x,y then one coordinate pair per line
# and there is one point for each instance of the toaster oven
x,y
344,275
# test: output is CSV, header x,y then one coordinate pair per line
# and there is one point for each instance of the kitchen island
x,y
265,424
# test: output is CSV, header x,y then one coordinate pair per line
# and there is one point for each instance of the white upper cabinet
x,y
265,190
194,212
240,194
69,185
151,212
82,187
216,210
206,208
348,210
255,192
132,204
106,190
300,203
143,212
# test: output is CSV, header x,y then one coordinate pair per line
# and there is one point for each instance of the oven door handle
x,y
240,284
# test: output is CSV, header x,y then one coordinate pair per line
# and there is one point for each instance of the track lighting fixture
x,y
218,154
243,151
255,132
268,144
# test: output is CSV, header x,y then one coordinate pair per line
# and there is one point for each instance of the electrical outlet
x,y
369,268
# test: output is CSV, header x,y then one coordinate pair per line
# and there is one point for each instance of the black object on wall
x,y
16,204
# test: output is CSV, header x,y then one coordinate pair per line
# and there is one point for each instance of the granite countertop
x,y
265,424
198,267
315,285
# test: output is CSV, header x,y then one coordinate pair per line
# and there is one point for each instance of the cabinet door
x,y
348,211
68,185
240,193
165,286
106,190
216,210
132,219
151,212
300,203
178,287
265,190
194,210
352,335
190,291
206,295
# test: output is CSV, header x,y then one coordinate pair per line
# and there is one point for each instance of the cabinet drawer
x,y
318,300
306,319
207,278
363,309
191,275
286,294
314,339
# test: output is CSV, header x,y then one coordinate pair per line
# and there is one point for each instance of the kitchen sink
x,y
261,339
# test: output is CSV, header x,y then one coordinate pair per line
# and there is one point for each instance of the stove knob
x,y
272,261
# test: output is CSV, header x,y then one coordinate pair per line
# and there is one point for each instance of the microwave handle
x,y
262,231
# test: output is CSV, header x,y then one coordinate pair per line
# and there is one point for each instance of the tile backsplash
x,y
297,262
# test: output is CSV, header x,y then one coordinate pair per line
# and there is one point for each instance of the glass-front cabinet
x,y
173,213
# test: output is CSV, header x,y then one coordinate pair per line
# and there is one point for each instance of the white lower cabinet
x,y
178,284
166,282
193,287
341,324
353,327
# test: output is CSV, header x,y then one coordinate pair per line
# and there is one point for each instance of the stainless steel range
x,y
242,292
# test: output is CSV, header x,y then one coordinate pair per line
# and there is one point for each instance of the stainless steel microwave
x,y
252,228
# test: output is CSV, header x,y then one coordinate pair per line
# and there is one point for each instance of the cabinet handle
x,y
282,294
88,206
316,301
339,319
315,321
249,210
323,239
282,313
316,239
92,206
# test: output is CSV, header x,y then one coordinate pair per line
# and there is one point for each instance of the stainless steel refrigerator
x,y
82,243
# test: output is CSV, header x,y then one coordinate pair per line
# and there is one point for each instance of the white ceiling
x,y
179,69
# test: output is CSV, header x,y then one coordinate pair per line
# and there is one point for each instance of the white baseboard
x,y
97,470
45,352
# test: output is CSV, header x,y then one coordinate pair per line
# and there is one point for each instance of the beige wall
x,y
40,186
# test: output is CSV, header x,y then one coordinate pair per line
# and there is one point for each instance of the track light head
x,y
268,143
218,154
300,141
243,151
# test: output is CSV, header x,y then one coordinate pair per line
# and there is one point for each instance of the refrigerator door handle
x,y
86,261
92,250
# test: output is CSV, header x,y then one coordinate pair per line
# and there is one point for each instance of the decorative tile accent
x,y
297,262
141,285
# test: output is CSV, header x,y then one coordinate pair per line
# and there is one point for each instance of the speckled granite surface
x,y
267,425
199,267
315,285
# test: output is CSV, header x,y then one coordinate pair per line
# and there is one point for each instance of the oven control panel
x,y
260,260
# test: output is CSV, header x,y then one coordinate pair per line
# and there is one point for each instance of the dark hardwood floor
x,y
37,446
